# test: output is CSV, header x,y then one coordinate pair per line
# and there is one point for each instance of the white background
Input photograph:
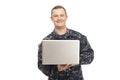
x,y
24,23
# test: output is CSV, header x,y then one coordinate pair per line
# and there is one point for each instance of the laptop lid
x,y
60,52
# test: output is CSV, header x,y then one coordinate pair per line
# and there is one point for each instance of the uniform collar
x,y
60,36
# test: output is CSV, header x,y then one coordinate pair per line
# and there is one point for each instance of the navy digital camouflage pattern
x,y
75,72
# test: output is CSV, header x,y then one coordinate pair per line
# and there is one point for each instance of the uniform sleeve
x,y
46,69
86,52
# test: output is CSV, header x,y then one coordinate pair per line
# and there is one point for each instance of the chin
x,y
60,26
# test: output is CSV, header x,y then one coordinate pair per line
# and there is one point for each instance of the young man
x,y
61,32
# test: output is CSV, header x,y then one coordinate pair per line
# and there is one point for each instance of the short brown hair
x,y
58,7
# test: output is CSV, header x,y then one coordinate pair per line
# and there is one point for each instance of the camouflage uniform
x,y
75,72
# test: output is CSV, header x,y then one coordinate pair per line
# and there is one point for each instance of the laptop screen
x,y
60,52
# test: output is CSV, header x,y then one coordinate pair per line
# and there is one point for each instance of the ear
x,y
51,18
66,17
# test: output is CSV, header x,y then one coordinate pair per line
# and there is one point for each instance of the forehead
x,y
58,11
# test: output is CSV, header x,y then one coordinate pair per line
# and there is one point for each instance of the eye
x,y
62,15
55,15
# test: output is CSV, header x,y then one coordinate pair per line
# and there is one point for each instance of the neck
x,y
60,31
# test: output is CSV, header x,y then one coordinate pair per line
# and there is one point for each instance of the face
x,y
59,18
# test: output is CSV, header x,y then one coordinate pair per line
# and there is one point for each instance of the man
x,y
61,32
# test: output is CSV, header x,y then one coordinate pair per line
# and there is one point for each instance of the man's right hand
x,y
64,67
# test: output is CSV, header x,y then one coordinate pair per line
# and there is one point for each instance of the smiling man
x,y
61,32
59,17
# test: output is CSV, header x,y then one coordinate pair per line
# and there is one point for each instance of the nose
x,y
59,17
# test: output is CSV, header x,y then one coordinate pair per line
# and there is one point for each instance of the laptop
x,y
60,52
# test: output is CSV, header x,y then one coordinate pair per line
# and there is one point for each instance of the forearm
x,y
86,57
45,69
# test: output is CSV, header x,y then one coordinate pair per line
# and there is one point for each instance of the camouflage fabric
x,y
75,72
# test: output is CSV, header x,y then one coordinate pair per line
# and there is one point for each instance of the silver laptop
x,y
60,52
